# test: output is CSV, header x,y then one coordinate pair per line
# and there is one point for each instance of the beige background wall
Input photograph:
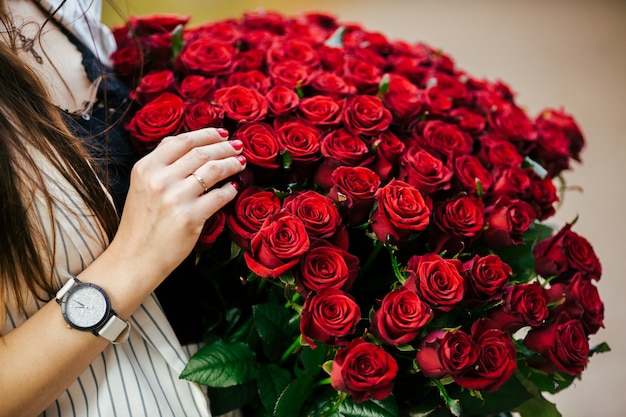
x,y
569,53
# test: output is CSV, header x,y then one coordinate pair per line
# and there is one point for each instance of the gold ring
x,y
201,181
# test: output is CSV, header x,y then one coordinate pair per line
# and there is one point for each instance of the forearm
x,y
42,357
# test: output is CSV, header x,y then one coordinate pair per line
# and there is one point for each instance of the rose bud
x,y
207,57
326,266
153,85
278,245
328,317
524,305
580,300
318,213
486,276
446,353
470,172
402,314
559,140
252,207
403,98
388,151
401,210
438,281
241,104
496,358
544,195
339,148
364,371
196,87
202,114
281,100
260,145
563,344
507,220
365,115
145,25
498,152
443,139
513,123
564,254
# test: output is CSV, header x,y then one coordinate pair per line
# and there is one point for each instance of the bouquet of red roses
x,y
386,254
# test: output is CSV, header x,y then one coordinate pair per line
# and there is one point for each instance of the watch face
x,y
85,307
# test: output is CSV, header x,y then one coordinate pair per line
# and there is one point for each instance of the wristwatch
x,y
87,307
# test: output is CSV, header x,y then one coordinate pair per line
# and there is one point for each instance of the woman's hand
x,y
167,205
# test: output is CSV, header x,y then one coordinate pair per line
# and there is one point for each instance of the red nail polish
x,y
236,144
242,159
222,132
235,185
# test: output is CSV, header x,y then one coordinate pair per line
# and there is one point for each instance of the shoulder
x,y
83,19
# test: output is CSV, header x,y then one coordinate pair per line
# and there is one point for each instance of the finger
x,y
199,156
214,171
217,198
172,148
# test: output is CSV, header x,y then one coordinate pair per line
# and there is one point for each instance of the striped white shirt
x,y
138,378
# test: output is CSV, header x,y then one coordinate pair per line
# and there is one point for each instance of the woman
x,y
61,236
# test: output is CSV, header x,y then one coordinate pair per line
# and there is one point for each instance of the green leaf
x,y
312,360
372,408
538,406
336,39
177,41
509,396
221,365
224,400
287,160
271,322
601,348
293,397
272,381
453,404
383,86
539,170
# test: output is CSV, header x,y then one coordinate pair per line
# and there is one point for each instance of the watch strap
x,y
115,329
65,288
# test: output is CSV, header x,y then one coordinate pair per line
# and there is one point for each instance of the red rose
x,y
252,207
158,49
263,19
162,117
326,266
364,371
339,148
438,281
363,75
328,317
330,84
401,210
458,222
202,114
587,296
403,98
290,74
388,151
281,100
444,139
560,139
278,246
225,31
564,254
446,353
402,314
499,153
196,87
212,229
294,50
486,276
507,220
260,145
544,195
496,358
468,119
512,182
206,57
563,344
253,79
300,140
128,62
354,189
470,172
524,305
144,25
241,104
514,124
365,115
153,85
322,111
424,171
318,213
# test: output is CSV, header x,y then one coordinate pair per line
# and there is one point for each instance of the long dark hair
x,y
29,120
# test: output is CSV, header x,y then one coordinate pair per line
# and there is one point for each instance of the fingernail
x,y
235,185
242,159
222,132
236,144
